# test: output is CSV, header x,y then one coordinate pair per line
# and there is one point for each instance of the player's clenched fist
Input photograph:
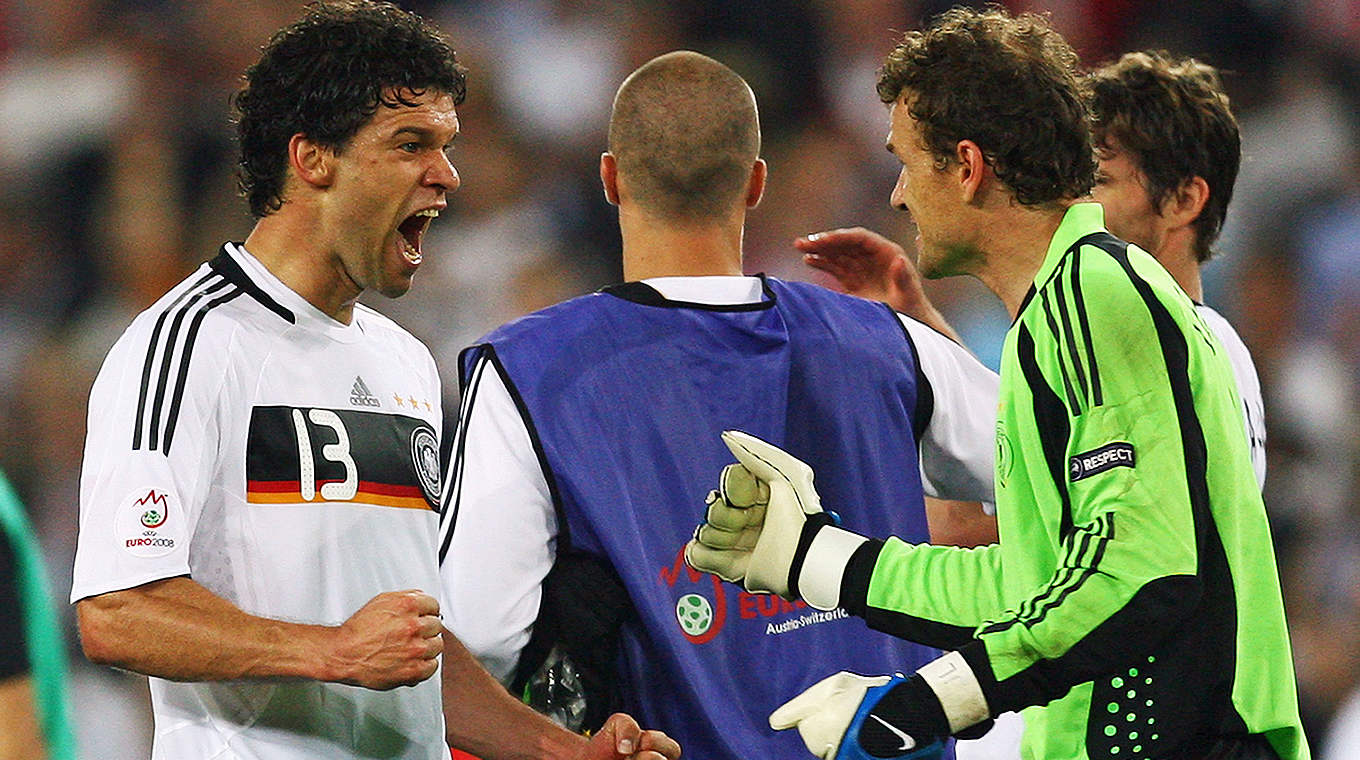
x,y
391,641
622,739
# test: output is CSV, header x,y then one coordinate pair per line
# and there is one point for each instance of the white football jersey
x,y
290,464
1248,387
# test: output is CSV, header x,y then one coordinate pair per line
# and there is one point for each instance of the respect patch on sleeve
x,y
1096,461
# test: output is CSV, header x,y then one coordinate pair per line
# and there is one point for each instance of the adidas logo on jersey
x,y
360,395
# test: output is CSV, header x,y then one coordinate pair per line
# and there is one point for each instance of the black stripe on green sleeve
x,y
1052,420
1079,302
1068,339
1063,361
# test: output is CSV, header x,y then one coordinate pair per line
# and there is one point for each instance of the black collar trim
x,y
226,266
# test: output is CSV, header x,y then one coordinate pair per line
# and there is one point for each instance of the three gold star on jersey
x,y
411,401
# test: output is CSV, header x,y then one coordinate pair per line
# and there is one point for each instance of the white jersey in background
x,y
1248,387
289,464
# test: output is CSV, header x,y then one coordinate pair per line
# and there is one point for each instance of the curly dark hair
x,y
324,76
1172,117
1009,84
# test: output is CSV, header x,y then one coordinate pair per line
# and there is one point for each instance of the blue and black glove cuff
x,y
885,725
908,708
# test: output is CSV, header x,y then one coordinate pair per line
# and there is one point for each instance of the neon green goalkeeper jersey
x,y
1134,590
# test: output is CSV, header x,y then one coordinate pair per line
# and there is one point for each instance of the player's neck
x,y
1177,255
1013,251
288,249
657,249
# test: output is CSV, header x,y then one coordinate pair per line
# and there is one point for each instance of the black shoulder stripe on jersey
x,y
1176,353
1063,359
1050,418
470,386
1068,339
173,417
226,266
1079,302
563,535
554,492
168,357
925,396
151,354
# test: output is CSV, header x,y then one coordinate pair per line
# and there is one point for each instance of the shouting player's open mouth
x,y
413,230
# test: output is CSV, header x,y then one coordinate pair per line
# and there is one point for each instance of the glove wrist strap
x,y
954,684
819,568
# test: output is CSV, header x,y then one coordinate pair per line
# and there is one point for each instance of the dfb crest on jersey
x,y
425,459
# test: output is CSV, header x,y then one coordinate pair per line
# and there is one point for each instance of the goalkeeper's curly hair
x,y
1172,117
1009,84
324,76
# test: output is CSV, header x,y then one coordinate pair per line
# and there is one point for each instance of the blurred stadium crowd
x,y
116,163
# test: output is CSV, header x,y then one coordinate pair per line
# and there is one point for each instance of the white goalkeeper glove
x,y
832,715
765,528
851,717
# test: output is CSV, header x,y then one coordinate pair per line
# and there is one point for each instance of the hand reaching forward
x,y
391,641
621,737
865,264
869,265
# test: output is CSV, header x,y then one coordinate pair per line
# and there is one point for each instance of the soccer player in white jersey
x,y
258,502
1169,150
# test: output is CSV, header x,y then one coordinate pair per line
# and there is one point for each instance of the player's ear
x,y
312,162
755,186
970,165
1184,205
609,177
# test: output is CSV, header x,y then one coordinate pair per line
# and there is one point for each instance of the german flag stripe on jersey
x,y
378,494
299,455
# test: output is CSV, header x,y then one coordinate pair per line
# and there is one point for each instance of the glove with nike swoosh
x,y
852,717
765,528
836,718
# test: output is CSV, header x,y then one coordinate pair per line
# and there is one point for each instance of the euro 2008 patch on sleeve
x,y
150,522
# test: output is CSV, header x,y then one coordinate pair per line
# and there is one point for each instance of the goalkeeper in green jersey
x,y
1132,601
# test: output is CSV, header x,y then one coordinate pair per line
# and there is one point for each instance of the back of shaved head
x,y
685,134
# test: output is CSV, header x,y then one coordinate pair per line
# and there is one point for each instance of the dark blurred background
x,y
116,160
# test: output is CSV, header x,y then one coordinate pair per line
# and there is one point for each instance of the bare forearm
x,y
178,630
959,523
482,718
20,737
